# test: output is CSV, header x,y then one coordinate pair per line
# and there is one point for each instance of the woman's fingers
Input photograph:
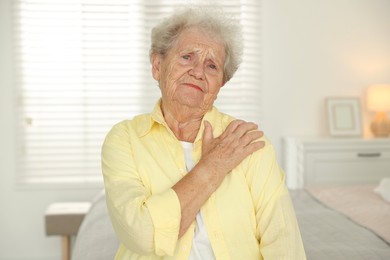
x,y
226,151
244,128
240,133
253,147
249,137
208,132
233,126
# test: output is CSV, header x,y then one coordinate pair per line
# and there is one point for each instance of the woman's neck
x,y
183,122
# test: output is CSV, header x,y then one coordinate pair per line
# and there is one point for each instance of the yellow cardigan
x,y
250,216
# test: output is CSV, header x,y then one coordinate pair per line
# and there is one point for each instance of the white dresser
x,y
309,161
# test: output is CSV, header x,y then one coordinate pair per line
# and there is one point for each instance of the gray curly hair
x,y
228,31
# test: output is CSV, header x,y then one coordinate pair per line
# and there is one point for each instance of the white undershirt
x,y
201,246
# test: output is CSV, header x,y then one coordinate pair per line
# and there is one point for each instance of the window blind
x,y
83,66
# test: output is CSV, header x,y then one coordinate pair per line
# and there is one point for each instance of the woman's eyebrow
x,y
213,58
209,54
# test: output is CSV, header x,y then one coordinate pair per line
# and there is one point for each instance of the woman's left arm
x,y
277,227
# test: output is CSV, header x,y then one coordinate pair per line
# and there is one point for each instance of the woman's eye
x,y
212,66
186,57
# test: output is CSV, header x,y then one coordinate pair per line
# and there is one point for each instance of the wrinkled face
x,y
191,73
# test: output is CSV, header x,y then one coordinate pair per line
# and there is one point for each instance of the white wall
x,y
22,233
318,49
312,49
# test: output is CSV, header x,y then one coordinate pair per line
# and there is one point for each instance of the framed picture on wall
x,y
344,116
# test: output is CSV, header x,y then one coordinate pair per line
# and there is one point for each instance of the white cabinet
x,y
309,161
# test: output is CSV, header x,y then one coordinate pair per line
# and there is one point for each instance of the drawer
x,y
346,167
311,160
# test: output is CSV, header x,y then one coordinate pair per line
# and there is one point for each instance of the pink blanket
x,y
359,203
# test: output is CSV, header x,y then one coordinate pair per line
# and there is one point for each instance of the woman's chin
x,y
192,99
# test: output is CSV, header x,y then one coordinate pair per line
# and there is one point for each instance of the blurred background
x,y
301,53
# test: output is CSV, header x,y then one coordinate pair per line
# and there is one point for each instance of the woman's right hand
x,y
219,156
223,153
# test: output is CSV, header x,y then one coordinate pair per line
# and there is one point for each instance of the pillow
x,y
384,189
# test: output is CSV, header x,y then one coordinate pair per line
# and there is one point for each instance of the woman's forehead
x,y
194,41
198,49
196,35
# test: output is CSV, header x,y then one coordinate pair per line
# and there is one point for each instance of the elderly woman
x,y
186,181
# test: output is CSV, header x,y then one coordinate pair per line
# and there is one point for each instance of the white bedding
x,y
326,233
96,239
383,189
359,203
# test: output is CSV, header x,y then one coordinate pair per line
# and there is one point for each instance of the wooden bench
x,y
64,219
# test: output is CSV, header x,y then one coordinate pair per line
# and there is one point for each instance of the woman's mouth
x,y
194,86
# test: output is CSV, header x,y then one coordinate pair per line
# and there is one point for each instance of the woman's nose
x,y
197,71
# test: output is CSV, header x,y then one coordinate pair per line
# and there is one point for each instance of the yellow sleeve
x,y
277,227
144,223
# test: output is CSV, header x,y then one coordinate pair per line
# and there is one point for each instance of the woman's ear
x,y
223,83
156,66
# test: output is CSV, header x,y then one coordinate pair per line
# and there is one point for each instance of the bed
x,y
341,222
96,239
336,222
